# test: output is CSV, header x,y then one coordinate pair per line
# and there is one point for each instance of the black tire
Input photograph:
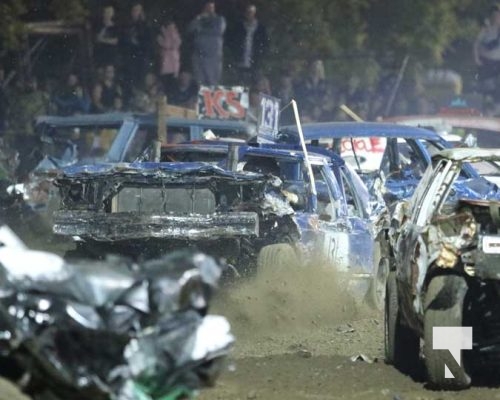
x,y
277,257
402,345
376,292
440,311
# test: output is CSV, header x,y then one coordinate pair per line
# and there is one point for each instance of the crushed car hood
x,y
172,169
110,202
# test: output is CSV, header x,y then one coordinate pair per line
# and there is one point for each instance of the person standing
x,y
136,47
169,42
314,91
106,38
208,36
250,44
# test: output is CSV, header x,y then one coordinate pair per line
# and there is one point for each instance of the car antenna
x,y
304,148
356,118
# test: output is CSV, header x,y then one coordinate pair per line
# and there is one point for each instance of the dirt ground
x,y
296,338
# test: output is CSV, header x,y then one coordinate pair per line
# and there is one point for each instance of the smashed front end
x,y
172,203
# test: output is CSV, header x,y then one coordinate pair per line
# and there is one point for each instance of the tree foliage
x,y
12,25
354,36
326,28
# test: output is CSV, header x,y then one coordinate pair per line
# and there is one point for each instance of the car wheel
x,y
402,345
439,311
277,257
376,291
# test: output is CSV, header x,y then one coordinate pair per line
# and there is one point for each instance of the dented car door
x,y
348,241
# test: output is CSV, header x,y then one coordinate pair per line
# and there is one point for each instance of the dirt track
x,y
296,339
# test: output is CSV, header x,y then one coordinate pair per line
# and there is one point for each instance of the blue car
x,y
390,158
254,208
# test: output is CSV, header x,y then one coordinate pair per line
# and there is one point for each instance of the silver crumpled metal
x,y
111,329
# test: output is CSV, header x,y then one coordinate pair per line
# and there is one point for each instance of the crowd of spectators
x,y
134,62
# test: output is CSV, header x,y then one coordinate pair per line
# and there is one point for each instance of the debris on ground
x,y
363,357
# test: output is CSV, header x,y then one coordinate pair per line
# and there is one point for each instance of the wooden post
x,y
162,126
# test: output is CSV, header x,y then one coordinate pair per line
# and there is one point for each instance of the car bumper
x,y
102,226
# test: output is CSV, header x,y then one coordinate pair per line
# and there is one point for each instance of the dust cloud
x,y
279,310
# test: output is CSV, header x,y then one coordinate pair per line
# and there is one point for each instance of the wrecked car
x,y
118,137
444,269
257,212
112,138
109,329
463,131
390,158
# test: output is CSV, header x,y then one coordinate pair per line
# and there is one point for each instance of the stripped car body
x,y
237,214
445,247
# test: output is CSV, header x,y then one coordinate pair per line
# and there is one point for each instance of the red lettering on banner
x,y
346,145
370,145
377,145
213,104
234,102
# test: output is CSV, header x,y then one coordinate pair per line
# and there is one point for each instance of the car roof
x,y
268,151
283,154
144,119
467,154
360,129
196,147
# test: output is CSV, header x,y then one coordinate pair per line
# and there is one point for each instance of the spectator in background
x,y
144,99
106,39
285,93
118,104
208,35
313,91
136,47
105,93
71,99
487,53
185,91
261,85
169,42
96,106
249,43
27,103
